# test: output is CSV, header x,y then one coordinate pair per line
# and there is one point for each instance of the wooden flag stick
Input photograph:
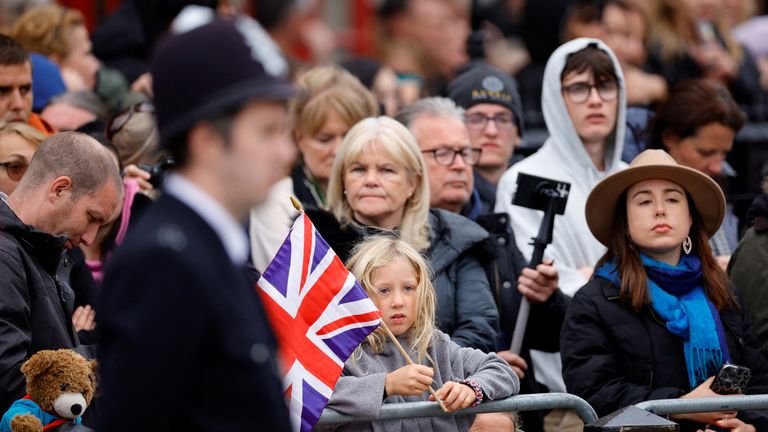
x,y
296,203
409,361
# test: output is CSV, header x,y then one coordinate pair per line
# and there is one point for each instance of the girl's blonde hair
x,y
378,251
399,143
329,87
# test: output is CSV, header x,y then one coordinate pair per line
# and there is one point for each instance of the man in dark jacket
x,y
71,188
185,343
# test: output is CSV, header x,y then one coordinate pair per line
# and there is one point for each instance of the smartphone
x,y
731,379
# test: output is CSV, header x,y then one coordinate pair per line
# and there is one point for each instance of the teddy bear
x,y
60,386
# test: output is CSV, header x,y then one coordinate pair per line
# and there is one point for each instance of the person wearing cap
x,y
494,119
659,318
184,341
697,125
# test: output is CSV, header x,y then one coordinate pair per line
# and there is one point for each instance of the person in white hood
x,y
584,105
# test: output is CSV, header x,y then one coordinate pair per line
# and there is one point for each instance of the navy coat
x,y
184,340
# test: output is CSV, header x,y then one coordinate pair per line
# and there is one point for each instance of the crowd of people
x,y
146,170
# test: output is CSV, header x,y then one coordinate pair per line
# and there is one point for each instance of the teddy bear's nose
x,y
77,409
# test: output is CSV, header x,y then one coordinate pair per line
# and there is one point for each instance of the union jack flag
x,y
319,313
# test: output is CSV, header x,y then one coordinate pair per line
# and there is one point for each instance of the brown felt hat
x,y
654,165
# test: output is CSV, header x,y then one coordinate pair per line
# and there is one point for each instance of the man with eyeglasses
x,y
494,119
437,124
584,106
440,129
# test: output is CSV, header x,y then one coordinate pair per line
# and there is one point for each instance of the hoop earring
x,y
687,245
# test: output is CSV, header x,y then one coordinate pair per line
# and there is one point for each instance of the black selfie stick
x,y
539,194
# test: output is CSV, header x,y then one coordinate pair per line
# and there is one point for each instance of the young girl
x,y
395,276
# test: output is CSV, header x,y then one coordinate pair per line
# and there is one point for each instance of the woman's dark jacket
x,y
614,357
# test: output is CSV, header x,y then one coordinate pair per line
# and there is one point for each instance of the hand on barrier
x,y
538,285
732,424
455,395
703,390
517,363
410,380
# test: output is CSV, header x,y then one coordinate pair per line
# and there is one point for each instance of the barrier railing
x,y
694,405
529,402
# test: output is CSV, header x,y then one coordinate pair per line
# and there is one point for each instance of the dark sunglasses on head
x,y
120,119
15,169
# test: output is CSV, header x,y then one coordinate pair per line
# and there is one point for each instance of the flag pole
x,y
296,204
409,361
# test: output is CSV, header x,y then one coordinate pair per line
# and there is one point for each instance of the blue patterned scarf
x,y
678,297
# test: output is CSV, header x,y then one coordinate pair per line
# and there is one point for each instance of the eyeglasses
x,y
120,119
446,156
580,92
15,169
478,121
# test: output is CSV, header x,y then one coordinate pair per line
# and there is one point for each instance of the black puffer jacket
x,y
614,357
36,299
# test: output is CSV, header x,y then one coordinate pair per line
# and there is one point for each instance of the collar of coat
x,y
44,247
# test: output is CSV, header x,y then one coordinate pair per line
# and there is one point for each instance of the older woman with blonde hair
x,y
378,182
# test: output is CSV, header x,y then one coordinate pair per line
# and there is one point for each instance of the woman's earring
x,y
687,245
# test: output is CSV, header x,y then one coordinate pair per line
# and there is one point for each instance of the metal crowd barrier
x,y
528,402
694,405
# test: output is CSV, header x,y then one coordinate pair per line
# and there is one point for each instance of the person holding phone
x,y
659,318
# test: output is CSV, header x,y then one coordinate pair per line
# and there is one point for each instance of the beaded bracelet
x,y
479,395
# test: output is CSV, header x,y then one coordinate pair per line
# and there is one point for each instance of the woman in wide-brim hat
x,y
658,318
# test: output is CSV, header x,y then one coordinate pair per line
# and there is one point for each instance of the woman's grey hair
x,y
433,107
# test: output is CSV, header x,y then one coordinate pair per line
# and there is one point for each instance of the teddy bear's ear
x,y
38,363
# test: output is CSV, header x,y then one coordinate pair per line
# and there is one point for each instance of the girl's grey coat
x,y
360,390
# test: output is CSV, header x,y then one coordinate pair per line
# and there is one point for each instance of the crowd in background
x,y
424,140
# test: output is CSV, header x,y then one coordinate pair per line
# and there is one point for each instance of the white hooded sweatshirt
x,y
564,158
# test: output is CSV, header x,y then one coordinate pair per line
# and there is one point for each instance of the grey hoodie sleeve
x,y
492,374
359,396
